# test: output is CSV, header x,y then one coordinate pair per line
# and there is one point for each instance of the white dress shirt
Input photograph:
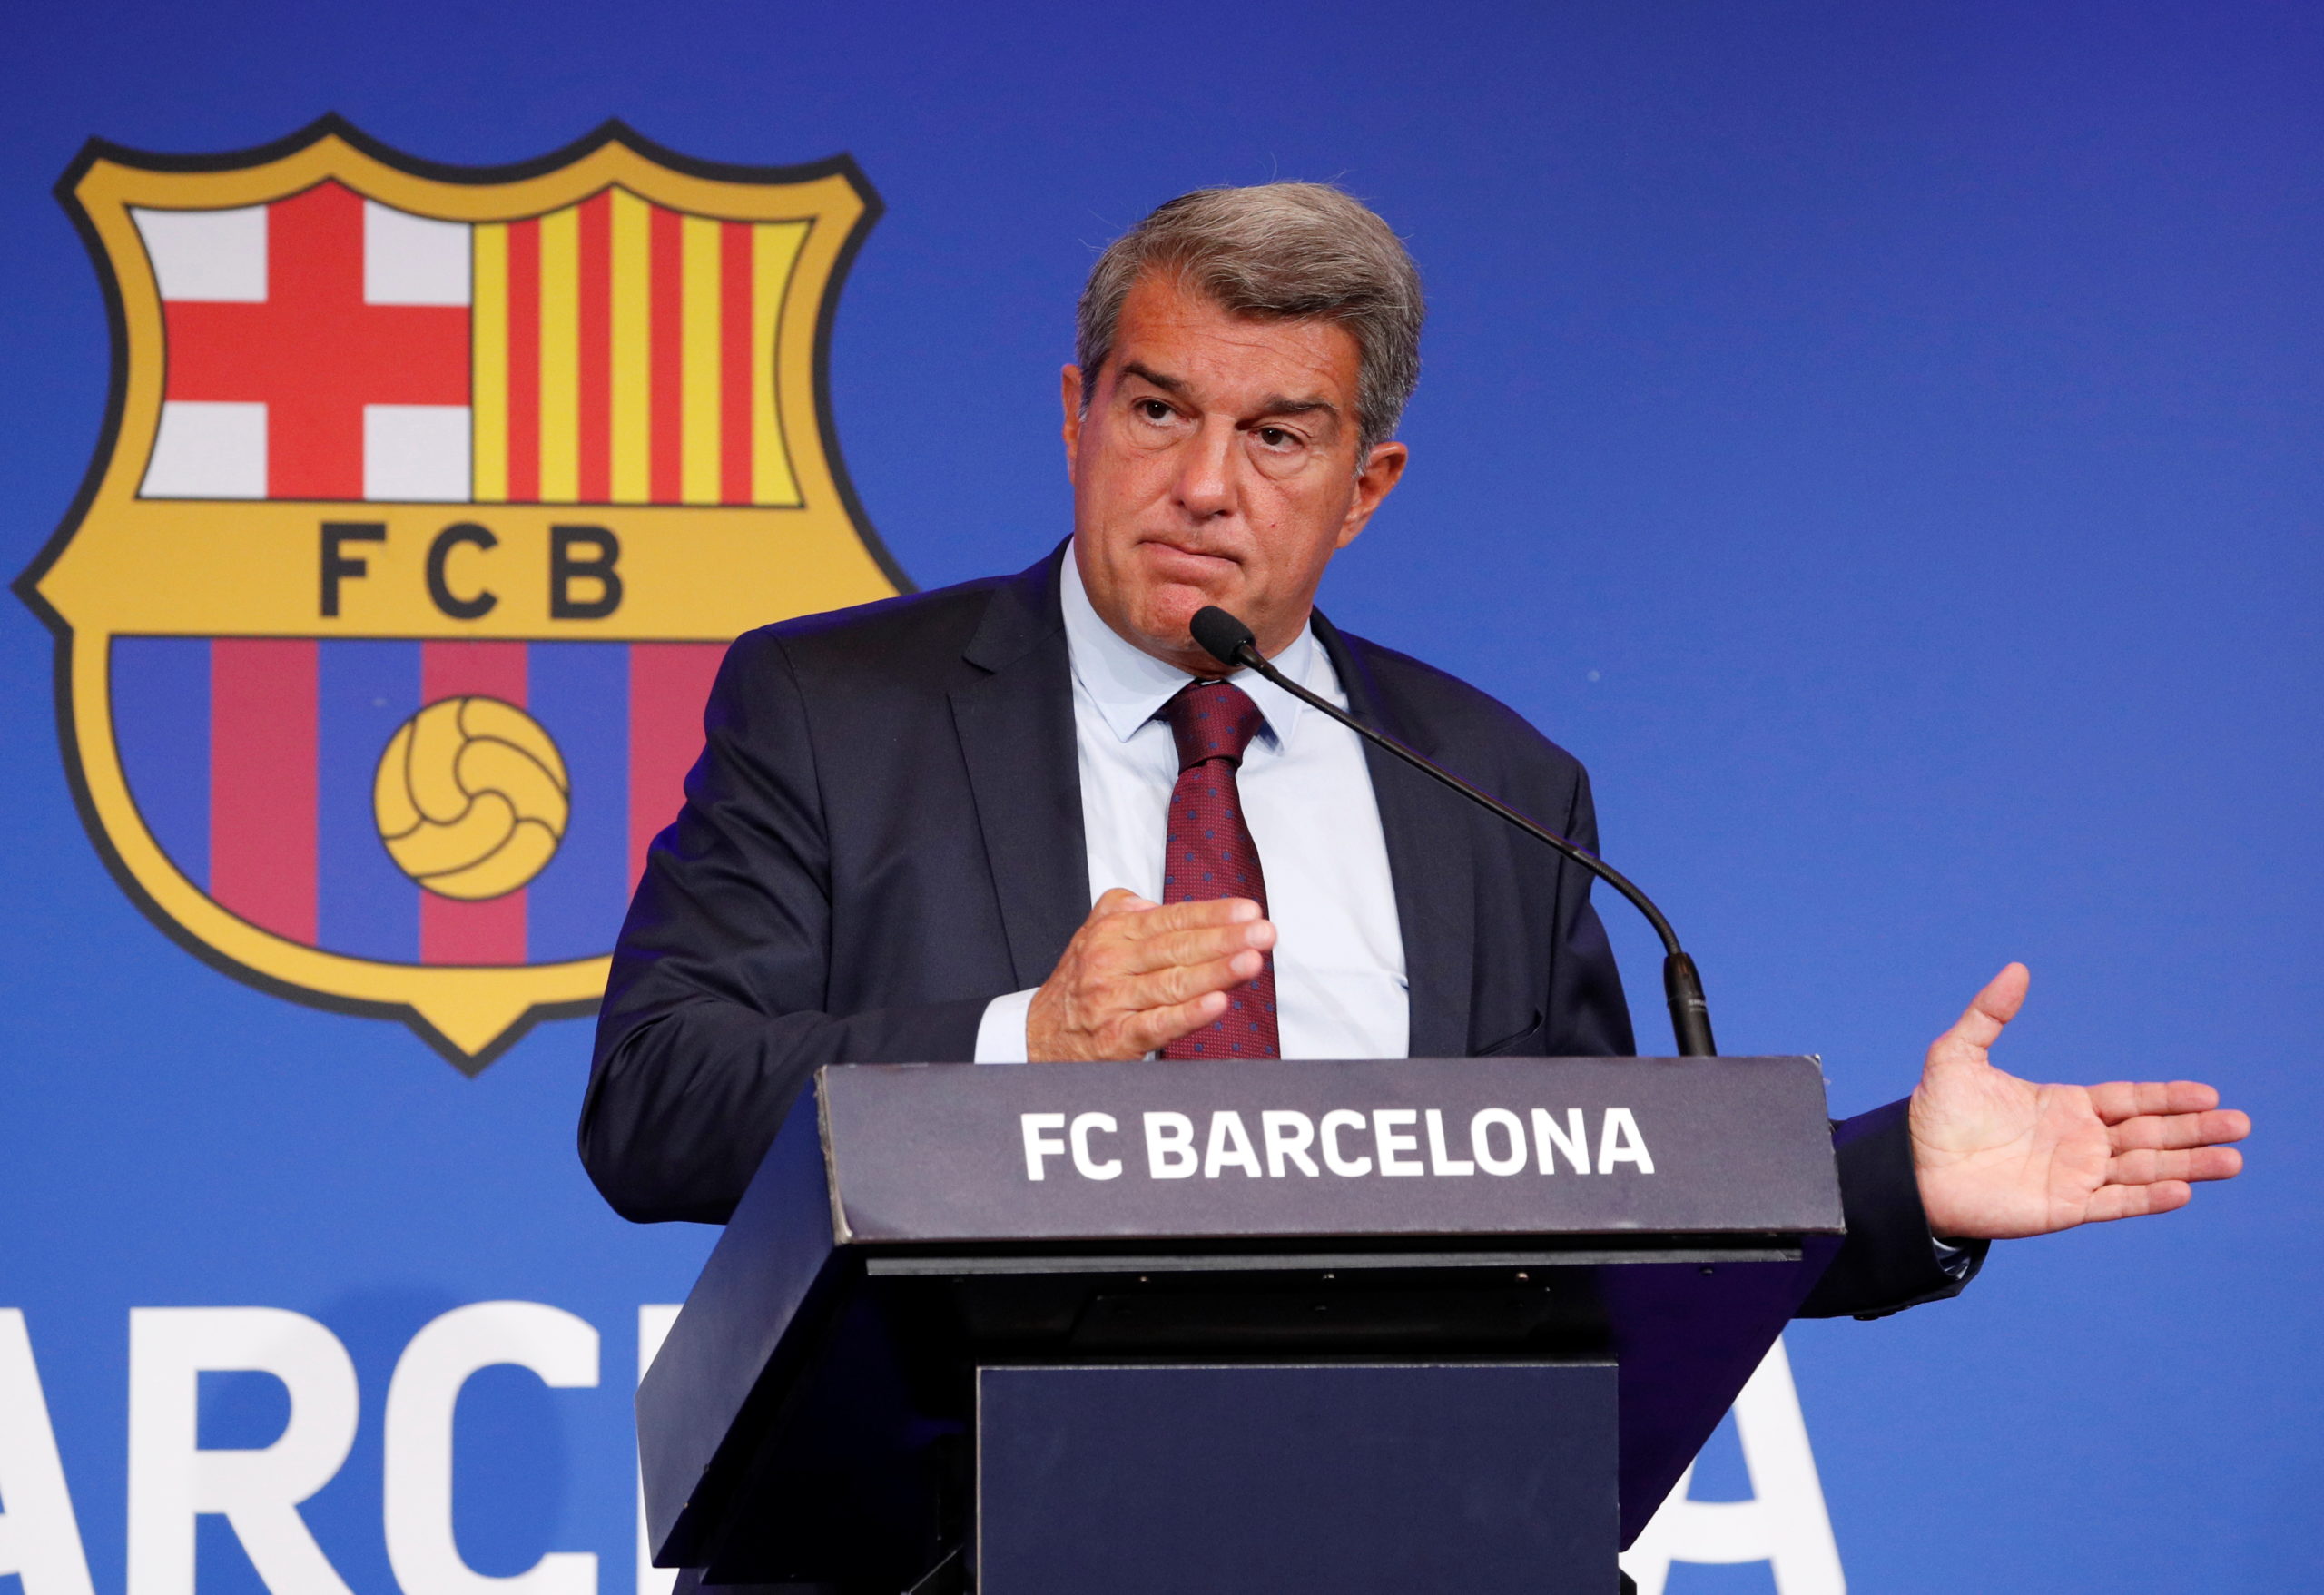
x,y
1339,954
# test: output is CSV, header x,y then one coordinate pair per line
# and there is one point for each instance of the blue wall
x,y
1883,441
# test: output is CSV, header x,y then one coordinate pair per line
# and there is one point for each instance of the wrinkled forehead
x,y
1174,336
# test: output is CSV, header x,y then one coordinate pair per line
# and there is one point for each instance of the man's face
x,y
1218,464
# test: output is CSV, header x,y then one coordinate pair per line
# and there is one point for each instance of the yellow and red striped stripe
x,y
624,353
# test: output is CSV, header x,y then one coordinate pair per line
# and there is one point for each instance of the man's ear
x,y
1383,469
1070,391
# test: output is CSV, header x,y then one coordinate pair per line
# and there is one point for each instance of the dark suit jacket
x,y
885,833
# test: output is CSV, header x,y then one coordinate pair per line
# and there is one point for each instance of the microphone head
x,y
1221,635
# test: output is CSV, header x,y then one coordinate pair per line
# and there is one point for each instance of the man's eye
x,y
1276,437
1153,409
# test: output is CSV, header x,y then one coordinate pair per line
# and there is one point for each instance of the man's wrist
x,y
1000,1033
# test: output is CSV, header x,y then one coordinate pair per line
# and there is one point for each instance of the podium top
x,y
1679,1205
943,1155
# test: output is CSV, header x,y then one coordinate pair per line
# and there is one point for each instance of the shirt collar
x,y
1129,687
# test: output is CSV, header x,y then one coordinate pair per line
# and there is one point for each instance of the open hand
x,y
1999,1157
1137,976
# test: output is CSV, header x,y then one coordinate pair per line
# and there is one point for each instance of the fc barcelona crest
x,y
428,498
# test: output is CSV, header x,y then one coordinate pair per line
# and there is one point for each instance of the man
x,y
1022,819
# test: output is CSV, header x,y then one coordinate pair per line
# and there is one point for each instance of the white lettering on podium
x,y
1288,1135
1339,1162
1383,1136
1230,1143
1084,1125
1620,1142
1170,1145
1497,1143
1573,1140
1784,1523
1481,1144
1439,1160
1038,1144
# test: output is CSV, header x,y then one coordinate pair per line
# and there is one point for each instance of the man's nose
x,y
1207,472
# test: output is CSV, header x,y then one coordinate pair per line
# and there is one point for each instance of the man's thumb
x,y
1980,1024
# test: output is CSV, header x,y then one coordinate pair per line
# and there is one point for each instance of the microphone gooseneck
x,y
1230,642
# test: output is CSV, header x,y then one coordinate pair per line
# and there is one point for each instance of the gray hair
x,y
1277,251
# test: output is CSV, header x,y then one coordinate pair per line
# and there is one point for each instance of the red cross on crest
x,y
431,498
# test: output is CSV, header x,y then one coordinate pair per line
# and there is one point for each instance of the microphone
x,y
1230,642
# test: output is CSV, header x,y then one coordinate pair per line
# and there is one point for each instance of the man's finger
x,y
1980,1024
1192,916
2117,1101
1180,983
2112,1202
2172,1132
1120,900
1153,1028
1211,942
2146,1168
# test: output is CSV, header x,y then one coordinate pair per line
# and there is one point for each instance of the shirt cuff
x,y
1001,1034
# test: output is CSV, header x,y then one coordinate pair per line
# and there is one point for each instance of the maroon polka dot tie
x,y
1210,854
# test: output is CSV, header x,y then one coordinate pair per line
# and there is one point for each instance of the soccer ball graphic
x,y
471,798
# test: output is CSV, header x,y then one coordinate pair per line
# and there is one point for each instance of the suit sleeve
x,y
1889,1260
712,1020
1589,1016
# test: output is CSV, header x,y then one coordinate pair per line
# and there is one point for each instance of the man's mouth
x,y
1180,557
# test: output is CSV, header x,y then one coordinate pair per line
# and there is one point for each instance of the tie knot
x,y
1212,720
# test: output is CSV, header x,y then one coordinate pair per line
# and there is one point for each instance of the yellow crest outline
x,y
118,563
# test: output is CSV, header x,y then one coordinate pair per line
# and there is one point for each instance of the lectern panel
x,y
1273,1479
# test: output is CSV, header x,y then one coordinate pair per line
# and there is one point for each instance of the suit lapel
x,y
1016,729
1429,860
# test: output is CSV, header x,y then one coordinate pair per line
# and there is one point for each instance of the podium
x,y
1250,1328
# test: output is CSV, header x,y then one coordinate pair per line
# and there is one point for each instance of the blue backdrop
x,y
1883,442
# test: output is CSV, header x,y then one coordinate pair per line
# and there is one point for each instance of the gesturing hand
x,y
1137,977
1999,1157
